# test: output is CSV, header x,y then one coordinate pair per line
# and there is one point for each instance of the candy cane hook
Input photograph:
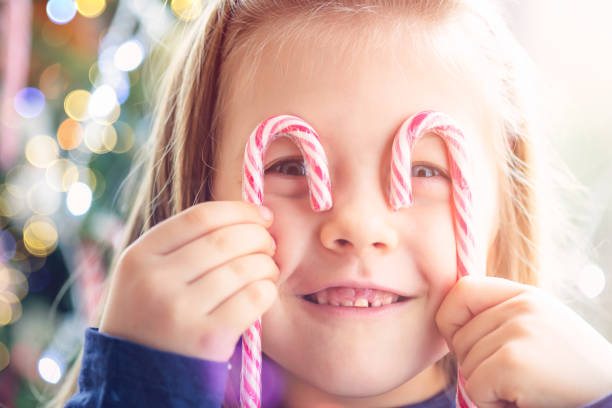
x,y
400,194
319,183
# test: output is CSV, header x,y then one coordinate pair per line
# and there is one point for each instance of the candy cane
x,y
401,191
308,142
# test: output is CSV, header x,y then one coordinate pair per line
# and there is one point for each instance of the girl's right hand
x,y
196,281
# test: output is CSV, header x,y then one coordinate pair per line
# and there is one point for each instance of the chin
x,y
363,383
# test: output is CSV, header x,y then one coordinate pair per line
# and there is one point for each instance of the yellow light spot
x,y
69,134
12,280
99,138
10,308
125,137
41,150
5,356
40,236
76,103
100,184
11,200
93,73
186,10
87,176
42,199
61,174
91,8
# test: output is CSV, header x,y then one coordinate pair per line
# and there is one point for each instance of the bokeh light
x,y
41,151
26,263
61,174
11,200
78,199
40,236
120,82
186,10
8,246
69,134
87,176
42,199
100,138
125,137
12,280
91,8
103,104
93,73
61,11
76,104
29,102
10,308
100,184
129,55
50,369
592,280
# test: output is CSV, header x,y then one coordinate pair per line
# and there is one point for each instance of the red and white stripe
x,y
317,171
400,194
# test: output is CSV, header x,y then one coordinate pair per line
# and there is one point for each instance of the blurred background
x,y
75,101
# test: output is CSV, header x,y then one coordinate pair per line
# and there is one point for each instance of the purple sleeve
x,y
605,402
120,373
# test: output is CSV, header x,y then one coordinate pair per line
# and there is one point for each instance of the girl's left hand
x,y
518,346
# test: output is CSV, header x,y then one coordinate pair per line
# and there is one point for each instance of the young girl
x,y
200,265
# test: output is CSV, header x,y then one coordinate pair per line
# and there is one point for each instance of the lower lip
x,y
355,312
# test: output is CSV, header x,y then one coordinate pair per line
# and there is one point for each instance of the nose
x,y
359,227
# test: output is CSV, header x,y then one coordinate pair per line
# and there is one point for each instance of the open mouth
x,y
354,297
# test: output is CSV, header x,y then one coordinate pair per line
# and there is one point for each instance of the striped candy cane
x,y
315,160
401,191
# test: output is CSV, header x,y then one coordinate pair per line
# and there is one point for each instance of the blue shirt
x,y
120,373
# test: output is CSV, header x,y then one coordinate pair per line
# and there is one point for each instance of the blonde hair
x,y
194,89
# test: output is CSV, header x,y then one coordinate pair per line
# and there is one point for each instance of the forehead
x,y
335,75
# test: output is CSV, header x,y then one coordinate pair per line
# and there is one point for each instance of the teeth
x,y
322,297
349,297
389,298
361,302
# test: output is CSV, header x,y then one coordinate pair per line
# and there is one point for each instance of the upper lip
x,y
355,284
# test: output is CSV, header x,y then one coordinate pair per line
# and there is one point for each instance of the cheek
x,y
293,230
431,240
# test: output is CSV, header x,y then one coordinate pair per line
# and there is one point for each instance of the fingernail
x,y
266,212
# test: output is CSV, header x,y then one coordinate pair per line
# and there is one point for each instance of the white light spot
x,y
49,370
79,198
102,102
592,280
129,55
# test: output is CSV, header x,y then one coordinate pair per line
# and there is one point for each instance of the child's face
x,y
356,101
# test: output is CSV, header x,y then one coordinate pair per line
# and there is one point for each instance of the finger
x,y
494,382
218,247
486,322
212,288
199,220
486,346
240,311
470,296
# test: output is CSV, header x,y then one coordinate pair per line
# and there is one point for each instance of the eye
x,y
421,170
288,167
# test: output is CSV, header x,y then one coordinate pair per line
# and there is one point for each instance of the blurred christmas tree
x,y
74,113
